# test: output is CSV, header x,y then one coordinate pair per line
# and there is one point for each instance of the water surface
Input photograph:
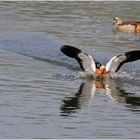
x,y
43,93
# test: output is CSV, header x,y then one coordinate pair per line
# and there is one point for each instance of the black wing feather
x,y
132,56
73,53
85,61
70,51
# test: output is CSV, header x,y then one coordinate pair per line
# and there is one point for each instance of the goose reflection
x,y
84,95
88,89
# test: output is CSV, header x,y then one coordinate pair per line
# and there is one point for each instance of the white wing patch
x,y
87,62
114,63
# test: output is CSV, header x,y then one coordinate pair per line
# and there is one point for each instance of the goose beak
x,y
102,67
113,22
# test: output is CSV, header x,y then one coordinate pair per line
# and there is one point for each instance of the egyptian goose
x,y
126,26
92,67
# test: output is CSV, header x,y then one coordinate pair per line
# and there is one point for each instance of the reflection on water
x,y
83,96
87,91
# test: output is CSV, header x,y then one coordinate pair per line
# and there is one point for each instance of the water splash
x,y
130,74
70,76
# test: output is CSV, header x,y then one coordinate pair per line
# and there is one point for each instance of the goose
x,y
126,26
93,67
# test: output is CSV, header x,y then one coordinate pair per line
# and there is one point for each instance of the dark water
x,y
43,94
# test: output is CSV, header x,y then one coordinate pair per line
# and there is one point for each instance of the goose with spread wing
x,y
93,67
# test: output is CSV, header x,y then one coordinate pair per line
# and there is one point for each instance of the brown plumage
x,y
126,26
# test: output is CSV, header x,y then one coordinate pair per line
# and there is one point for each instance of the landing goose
x,y
93,67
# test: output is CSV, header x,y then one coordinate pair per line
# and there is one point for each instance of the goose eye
x,y
98,65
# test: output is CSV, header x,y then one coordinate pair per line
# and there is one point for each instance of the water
x,y
43,93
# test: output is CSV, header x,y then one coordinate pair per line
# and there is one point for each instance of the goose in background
x,y
126,26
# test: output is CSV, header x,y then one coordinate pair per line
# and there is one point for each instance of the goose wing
x,y
85,61
116,62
